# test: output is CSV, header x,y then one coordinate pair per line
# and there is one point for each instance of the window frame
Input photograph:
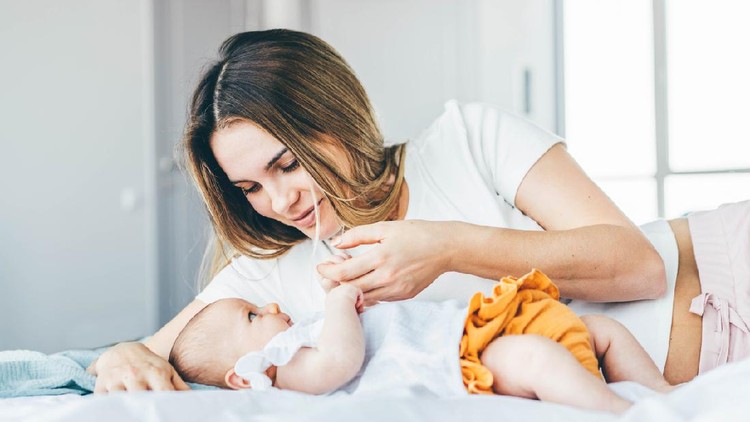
x,y
661,103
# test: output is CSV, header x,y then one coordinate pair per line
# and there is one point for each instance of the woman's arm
x,y
161,342
590,248
340,351
143,366
595,263
595,251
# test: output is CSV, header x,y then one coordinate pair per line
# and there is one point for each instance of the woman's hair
x,y
301,91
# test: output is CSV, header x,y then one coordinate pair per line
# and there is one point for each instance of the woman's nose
x,y
282,199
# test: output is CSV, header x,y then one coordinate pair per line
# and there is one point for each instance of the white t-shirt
x,y
466,166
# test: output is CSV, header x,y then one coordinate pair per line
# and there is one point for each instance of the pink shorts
x,y
721,242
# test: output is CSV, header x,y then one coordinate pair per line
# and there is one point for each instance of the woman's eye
x,y
250,316
293,165
252,189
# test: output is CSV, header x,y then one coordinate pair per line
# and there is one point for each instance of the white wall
x,y
408,54
517,36
188,35
413,55
76,223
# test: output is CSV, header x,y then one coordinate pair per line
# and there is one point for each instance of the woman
x,y
284,146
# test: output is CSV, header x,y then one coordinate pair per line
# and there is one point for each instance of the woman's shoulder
x,y
479,111
239,278
287,280
483,144
296,257
480,123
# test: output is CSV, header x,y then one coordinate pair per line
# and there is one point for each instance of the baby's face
x,y
252,327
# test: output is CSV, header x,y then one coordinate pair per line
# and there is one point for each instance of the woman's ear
x,y
234,381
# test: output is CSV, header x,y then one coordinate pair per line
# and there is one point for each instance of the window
x,y
656,96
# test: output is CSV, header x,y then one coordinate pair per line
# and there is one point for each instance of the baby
x,y
425,345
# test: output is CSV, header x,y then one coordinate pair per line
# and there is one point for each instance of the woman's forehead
x,y
241,133
244,146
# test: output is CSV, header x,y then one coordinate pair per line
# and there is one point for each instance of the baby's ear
x,y
234,381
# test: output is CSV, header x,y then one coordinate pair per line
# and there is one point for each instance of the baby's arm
x,y
620,355
340,351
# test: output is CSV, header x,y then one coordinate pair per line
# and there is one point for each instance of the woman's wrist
x,y
468,243
455,246
119,351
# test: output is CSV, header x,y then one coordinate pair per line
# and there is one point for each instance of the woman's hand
x,y
405,258
134,367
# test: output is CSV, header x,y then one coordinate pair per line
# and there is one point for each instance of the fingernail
x,y
336,241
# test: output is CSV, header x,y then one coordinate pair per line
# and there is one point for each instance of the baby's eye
x,y
251,316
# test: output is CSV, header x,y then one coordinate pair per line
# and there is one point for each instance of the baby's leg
x,y
620,355
536,367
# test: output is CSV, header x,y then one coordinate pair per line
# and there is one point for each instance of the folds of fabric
x,y
721,246
527,305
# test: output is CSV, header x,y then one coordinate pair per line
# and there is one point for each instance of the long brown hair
x,y
301,91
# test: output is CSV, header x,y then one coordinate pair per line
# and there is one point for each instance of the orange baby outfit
x,y
528,305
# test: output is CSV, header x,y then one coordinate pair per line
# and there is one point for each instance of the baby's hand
x,y
348,292
334,259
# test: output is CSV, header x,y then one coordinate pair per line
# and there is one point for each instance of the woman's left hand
x,y
405,258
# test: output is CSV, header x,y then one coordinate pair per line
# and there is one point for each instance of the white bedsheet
x,y
722,395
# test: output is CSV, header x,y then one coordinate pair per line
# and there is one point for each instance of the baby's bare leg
x,y
620,355
536,367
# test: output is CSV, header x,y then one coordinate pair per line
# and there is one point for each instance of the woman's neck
x,y
403,201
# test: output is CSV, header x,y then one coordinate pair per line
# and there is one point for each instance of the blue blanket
x,y
29,373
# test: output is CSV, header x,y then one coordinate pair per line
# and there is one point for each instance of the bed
x,y
721,395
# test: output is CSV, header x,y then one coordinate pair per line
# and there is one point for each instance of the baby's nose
x,y
272,308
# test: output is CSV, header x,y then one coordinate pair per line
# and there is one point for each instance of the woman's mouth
x,y
307,218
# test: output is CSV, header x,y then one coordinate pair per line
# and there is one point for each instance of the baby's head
x,y
207,348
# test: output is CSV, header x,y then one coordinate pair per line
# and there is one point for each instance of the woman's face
x,y
271,178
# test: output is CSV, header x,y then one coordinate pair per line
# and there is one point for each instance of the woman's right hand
x,y
405,257
134,367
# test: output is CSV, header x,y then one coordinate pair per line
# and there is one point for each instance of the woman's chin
x,y
327,231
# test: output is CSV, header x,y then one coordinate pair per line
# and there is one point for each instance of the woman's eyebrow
x,y
276,157
268,165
